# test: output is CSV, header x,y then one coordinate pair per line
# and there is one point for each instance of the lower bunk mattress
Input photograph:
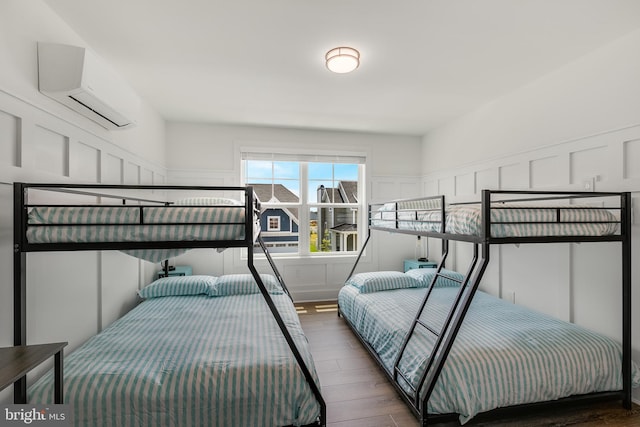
x,y
190,361
504,354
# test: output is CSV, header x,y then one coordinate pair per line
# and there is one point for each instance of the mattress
x,y
503,355
53,224
190,361
508,220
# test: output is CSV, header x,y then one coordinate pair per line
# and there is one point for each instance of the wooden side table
x,y
16,361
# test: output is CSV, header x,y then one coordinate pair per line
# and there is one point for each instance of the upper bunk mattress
x,y
508,220
190,361
92,224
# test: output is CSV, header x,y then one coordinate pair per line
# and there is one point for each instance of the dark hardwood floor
x,y
358,393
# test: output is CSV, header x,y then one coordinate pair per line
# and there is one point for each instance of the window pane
x,y
274,182
346,172
318,192
332,183
286,170
333,230
279,230
320,171
259,169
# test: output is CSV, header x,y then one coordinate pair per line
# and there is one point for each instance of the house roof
x,y
280,193
345,228
346,192
349,191
276,193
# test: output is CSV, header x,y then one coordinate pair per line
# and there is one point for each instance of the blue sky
x,y
288,174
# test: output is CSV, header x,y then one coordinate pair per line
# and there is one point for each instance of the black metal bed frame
x,y
22,247
445,337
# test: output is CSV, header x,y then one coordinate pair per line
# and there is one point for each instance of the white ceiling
x,y
261,62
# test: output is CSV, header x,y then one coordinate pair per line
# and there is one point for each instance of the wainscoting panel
x,y
465,184
146,176
513,176
84,162
447,186
48,151
587,165
9,129
631,154
544,172
132,173
487,178
112,169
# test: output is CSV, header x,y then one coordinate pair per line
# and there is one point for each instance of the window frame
x,y
304,207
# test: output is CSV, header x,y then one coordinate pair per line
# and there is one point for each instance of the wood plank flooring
x,y
359,395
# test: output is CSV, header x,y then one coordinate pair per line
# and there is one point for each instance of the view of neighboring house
x,y
335,228
279,226
341,224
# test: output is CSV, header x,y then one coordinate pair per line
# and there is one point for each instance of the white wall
x,y
579,123
210,154
71,296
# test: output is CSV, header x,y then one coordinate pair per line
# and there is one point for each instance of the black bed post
x,y
625,230
19,284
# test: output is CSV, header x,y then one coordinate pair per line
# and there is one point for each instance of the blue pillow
x,y
425,276
178,285
243,284
382,281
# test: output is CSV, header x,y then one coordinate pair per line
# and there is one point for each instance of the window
x,y
274,223
310,207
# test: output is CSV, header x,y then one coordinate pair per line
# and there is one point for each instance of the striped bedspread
x,y
190,361
512,220
123,224
503,355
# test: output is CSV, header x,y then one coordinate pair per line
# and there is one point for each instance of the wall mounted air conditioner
x,y
79,79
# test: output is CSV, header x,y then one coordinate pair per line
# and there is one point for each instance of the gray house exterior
x,y
339,224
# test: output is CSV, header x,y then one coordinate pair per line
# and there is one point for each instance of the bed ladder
x,y
315,388
445,335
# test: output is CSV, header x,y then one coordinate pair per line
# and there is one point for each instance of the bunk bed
x,y
452,350
284,386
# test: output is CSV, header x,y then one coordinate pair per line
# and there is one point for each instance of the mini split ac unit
x,y
77,78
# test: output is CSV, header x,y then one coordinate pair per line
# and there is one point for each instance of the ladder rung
x,y
428,328
450,277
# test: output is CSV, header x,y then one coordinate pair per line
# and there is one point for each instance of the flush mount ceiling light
x,y
342,59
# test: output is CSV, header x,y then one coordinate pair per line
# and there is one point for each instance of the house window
x,y
273,223
310,207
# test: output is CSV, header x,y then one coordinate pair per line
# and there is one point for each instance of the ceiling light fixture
x,y
342,59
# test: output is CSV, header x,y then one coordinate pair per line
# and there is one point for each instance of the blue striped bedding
x,y
190,361
526,221
503,355
123,224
